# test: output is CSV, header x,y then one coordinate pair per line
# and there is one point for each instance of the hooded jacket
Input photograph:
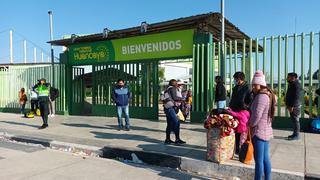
x,y
121,95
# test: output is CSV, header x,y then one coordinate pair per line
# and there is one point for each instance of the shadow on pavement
x,y
132,137
135,128
83,125
20,124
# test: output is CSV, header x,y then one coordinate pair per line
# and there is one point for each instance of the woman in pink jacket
x,y
262,112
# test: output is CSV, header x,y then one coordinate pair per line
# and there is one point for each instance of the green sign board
x,y
154,46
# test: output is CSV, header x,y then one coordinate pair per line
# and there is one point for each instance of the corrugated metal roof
x,y
209,22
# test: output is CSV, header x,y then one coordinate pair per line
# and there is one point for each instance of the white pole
x,y
223,63
35,55
11,48
48,59
25,50
42,57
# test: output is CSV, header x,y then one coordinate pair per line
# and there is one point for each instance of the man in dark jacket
x,y
121,96
293,103
241,93
54,94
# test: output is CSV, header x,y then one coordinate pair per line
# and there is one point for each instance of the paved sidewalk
x,y
297,157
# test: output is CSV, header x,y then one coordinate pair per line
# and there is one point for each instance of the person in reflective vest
x,y
43,90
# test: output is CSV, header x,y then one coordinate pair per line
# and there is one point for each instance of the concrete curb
x,y
200,167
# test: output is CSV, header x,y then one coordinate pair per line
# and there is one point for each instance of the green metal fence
x,y
15,77
275,56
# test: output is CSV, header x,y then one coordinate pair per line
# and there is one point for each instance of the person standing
x,y
43,90
171,102
121,96
220,93
22,100
34,100
240,100
54,94
262,113
293,103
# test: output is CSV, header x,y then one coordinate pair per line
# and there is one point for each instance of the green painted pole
x,y
310,73
202,108
230,66
319,73
294,52
208,77
279,74
286,67
250,61
235,56
198,78
219,58
271,61
257,54
302,71
243,66
264,55
224,60
193,77
213,72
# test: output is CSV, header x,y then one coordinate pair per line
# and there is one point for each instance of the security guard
x,y
43,90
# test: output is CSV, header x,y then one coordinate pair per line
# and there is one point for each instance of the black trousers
x,y
44,109
237,142
294,116
34,105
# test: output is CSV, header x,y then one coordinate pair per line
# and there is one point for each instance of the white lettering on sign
x,y
152,47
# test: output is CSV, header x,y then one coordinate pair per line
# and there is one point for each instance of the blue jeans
x,y
22,108
221,104
261,158
173,123
124,109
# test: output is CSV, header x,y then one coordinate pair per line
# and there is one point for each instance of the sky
x,y
29,18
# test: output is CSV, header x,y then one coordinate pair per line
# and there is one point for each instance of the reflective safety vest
x,y
43,91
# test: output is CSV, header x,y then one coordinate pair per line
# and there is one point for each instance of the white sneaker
x,y
52,115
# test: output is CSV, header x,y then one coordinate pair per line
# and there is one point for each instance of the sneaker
x,y
126,129
179,141
292,138
168,141
52,115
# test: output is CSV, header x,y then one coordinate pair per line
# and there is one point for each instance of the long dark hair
x,y
272,97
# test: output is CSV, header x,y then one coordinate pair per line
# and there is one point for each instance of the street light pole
x,y
223,62
52,52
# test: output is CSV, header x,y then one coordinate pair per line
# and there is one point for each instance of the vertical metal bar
x,y
279,74
214,69
235,57
286,67
202,78
11,47
271,61
257,54
294,52
310,74
198,77
193,76
318,74
223,60
264,55
219,58
243,66
250,61
25,51
35,55
230,66
208,77
302,72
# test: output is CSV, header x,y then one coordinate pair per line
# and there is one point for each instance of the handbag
x,y
246,150
180,116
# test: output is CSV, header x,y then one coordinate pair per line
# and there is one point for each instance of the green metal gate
x,y
142,80
77,90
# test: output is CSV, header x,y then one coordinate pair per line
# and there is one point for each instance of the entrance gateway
x,y
134,56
